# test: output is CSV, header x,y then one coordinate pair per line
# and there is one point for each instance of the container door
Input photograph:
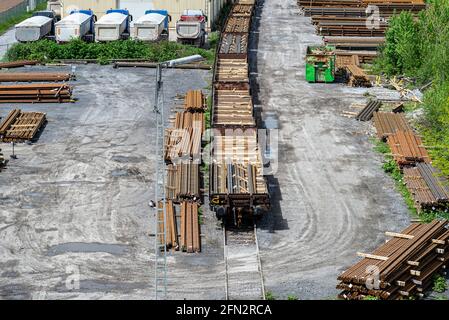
x,y
320,73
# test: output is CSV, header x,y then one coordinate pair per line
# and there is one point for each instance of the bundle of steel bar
x,y
190,227
401,268
355,42
428,187
183,181
35,93
17,64
232,70
357,77
387,123
236,178
233,43
238,24
171,231
407,148
343,61
362,56
2,160
386,10
367,113
21,126
242,10
183,141
349,30
195,101
34,77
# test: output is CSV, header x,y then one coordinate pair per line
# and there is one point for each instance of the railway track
x,y
243,268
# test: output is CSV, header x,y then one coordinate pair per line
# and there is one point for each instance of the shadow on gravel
x,y
273,220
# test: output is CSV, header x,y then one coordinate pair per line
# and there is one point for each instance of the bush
x,y
47,51
439,284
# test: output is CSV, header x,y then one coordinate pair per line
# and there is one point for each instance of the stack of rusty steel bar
x,y
407,148
34,77
23,93
2,160
402,268
357,77
387,123
237,183
182,181
367,113
21,126
171,231
17,64
429,188
190,228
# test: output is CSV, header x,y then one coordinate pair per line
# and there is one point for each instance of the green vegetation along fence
x,y
16,10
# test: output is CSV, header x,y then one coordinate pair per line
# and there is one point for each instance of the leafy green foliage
x,y
370,298
439,283
46,51
6,25
292,297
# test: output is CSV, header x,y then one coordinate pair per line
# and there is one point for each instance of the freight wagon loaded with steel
x,y
77,25
114,25
320,64
153,26
41,25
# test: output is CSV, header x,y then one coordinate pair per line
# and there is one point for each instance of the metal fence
x,y
17,10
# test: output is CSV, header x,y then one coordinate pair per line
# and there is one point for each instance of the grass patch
x,y
270,296
370,298
48,51
5,26
292,297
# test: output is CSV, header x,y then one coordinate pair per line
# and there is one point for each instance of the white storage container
x,y
111,26
33,29
74,26
149,27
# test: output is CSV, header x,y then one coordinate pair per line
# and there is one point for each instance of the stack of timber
x,y
407,148
17,64
429,188
34,77
171,230
404,265
367,113
387,123
21,126
195,101
357,77
182,181
190,228
23,93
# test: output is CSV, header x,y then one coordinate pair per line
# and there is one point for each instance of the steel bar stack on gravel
x,y
190,228
407,148
33,93
357,77
183,181
367,113
402,268
17,64
387,123
195,101
428,187
21,126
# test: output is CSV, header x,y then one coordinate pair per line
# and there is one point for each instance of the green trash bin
x,y
320,64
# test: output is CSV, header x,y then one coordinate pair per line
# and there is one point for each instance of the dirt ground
x,y
330,195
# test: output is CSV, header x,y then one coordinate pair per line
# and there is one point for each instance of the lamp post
x,y
161,216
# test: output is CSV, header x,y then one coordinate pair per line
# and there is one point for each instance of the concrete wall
x,y
137,7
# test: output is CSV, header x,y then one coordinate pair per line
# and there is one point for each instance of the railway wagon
x,y
238,189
